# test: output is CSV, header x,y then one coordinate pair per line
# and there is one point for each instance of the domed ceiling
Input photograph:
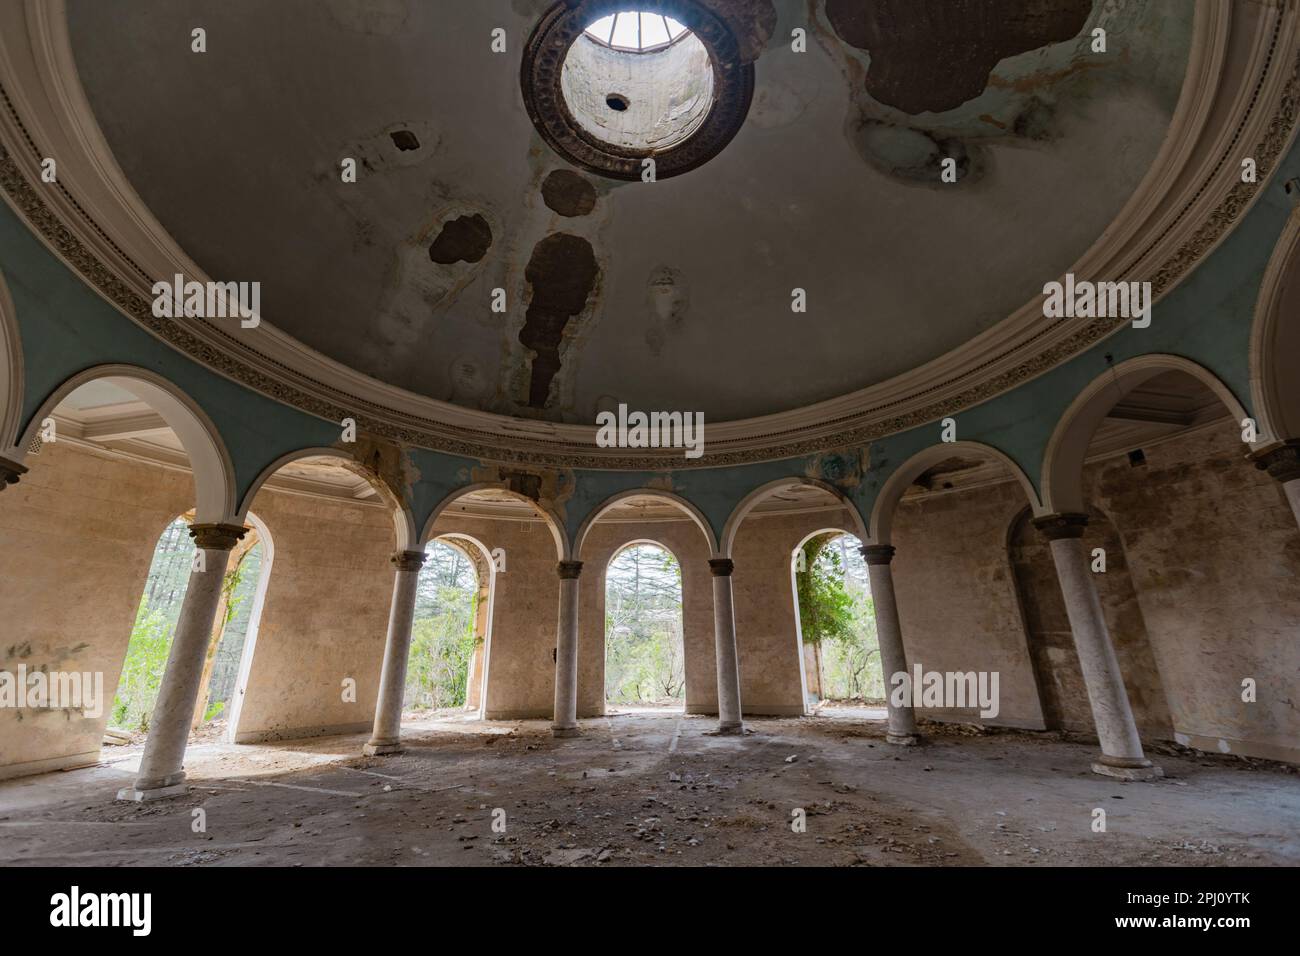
x,y
675,294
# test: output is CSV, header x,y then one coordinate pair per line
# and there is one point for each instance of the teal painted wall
x,y
66,328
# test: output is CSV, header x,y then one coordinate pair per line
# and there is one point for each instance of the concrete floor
x,y
657,788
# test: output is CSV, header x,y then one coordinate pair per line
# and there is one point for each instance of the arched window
x,y
645,665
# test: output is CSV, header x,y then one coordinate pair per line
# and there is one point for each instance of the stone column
x,y
724,636
565,723
10,472
1284,464
387,734
160,772
1121,749
893,658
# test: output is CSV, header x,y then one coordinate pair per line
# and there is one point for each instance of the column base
x,y
736,729
564,732
376,748
1131,770
132,795
903,740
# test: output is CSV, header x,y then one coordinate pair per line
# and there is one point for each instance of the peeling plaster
x,y
844,469
907,38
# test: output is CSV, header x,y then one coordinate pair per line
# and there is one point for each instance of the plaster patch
x,y
568,194
464,239
905,38
561,273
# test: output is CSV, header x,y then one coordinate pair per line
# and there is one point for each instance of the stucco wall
x,y
1051,643
767,634
685,540
77,535
525,612
1214,554
325,618
957,601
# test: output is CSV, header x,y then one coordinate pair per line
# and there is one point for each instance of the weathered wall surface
x,y
688,544
1214,554
767,632
957,601
1051,643
525,612
77,535
325,618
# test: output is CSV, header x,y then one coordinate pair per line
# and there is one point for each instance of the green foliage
x,y
155,621
442,638
825,606
644,662
146,657
837,614
240,585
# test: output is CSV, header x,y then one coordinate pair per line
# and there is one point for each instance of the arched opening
x,y
513,542
836,619
324,618
672,523
1275,341
645,659
448,635
156,618
765,536
113,456
1051,643
11,376
946,511
1207,541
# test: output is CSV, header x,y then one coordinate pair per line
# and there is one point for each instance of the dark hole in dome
x,y
616,102
404,140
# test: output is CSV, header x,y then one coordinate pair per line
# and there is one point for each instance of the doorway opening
x,y
445,637
155,626
837,623
645,664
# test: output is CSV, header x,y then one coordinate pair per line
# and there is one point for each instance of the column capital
x,y
1065,525
877,553
217,537
10,472
568,570
408,560
1282,463
721,567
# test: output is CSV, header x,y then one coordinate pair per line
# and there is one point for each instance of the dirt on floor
x,y
661,789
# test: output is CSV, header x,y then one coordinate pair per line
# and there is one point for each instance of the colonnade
x,y
161,773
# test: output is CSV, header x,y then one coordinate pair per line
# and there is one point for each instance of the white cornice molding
x,y
1238,99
